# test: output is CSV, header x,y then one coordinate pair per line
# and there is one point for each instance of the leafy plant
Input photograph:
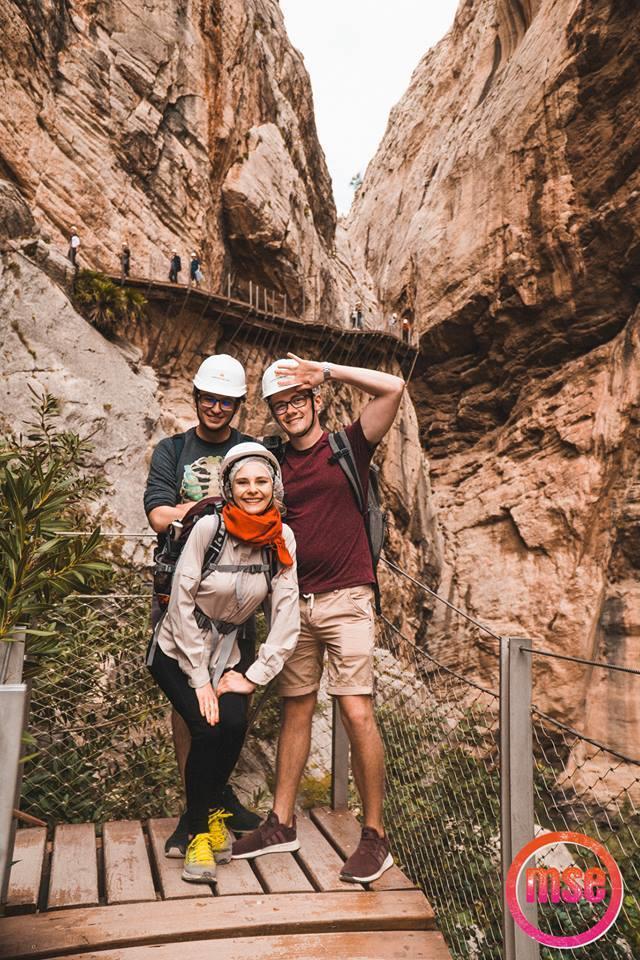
x,y
44,490
106,304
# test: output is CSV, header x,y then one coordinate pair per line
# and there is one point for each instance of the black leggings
x,y
214,750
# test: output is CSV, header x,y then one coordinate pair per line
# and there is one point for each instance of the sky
x,y
360,57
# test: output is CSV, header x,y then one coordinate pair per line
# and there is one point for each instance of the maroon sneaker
x,y
370,859
270,837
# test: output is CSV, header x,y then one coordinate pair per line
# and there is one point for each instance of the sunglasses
x,y
209,402
297,401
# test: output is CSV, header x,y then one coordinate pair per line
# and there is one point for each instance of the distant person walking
x,y
393,324
74,245
356,316
406,329
195,273
125,261
175,266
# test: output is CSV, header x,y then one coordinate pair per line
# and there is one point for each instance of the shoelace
x,y
200,850
217,828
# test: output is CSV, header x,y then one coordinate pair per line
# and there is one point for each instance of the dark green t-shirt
x,y
190,475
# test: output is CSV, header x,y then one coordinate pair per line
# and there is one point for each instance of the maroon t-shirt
x,y
331,540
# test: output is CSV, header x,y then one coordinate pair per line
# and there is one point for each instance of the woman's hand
x,y
233,682
208,703
305,373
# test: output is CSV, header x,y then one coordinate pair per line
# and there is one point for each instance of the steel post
x,y
516,785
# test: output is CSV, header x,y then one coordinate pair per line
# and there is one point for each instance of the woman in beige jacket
x,y
195,656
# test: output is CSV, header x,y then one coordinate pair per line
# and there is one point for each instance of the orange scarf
x,y
261,529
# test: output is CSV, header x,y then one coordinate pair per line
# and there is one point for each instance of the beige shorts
x,y
342,622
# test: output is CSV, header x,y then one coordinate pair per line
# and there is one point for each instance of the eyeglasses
x,y
297,401
208,401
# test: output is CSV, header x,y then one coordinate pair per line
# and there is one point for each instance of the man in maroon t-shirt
x,y
335,573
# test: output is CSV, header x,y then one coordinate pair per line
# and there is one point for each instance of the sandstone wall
x,y
501,211
180,124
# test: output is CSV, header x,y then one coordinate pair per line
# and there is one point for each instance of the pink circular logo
x,y
590,885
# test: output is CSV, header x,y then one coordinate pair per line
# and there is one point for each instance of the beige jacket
x,y
232,597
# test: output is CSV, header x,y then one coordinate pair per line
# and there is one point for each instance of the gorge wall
x,y
502,212
184,125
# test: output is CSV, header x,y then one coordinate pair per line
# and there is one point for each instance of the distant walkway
x,y
379,345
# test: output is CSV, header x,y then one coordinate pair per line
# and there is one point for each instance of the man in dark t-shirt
x,y
184,470
335,574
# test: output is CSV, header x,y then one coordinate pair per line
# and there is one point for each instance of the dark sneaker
x,y
270,837
241,820
176,845
370,860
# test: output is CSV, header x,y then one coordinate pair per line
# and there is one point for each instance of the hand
x,y
306,373
234,682
208,703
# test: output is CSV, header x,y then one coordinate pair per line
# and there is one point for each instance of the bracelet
x,y
326,371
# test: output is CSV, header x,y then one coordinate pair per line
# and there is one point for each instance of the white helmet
x,y
249,450
221,374
270,385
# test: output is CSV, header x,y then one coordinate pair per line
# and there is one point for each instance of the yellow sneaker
x,y
221,840
200,860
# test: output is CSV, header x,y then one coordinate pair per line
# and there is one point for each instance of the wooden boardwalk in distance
x,y
369,346
119,898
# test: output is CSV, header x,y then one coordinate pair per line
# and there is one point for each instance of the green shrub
x,y
44,493
108,306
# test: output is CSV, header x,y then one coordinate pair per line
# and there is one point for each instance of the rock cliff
x,y
502,213
181,125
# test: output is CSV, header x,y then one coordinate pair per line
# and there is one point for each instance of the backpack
x,y
375,519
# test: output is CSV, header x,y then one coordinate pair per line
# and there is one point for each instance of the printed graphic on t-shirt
x,y
201,479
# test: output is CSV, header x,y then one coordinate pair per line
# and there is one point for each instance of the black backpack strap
x,y
213,551
343,455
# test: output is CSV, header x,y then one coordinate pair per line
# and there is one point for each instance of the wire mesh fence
x,y
441,738
100,740
584,787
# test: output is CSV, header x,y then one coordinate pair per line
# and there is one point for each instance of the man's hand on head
x,y
298,372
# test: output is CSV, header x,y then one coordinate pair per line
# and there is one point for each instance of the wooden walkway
x,y
119,898
370,346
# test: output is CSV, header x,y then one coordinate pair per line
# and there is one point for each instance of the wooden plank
x,y
342,830
321,862
169,869
391,945
74,867
126,864
237,878
279,873
48,935
26,872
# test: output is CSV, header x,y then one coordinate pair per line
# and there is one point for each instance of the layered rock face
x,y
502,212
181,125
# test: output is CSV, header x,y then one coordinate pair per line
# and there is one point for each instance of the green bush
x,y
108,306
45,490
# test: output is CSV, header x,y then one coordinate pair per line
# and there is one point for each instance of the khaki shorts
x,y
342,622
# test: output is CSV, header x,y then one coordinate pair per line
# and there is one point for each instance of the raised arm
x,y
385,388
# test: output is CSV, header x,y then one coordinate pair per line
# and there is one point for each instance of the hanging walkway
x,y
370,347
117,897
